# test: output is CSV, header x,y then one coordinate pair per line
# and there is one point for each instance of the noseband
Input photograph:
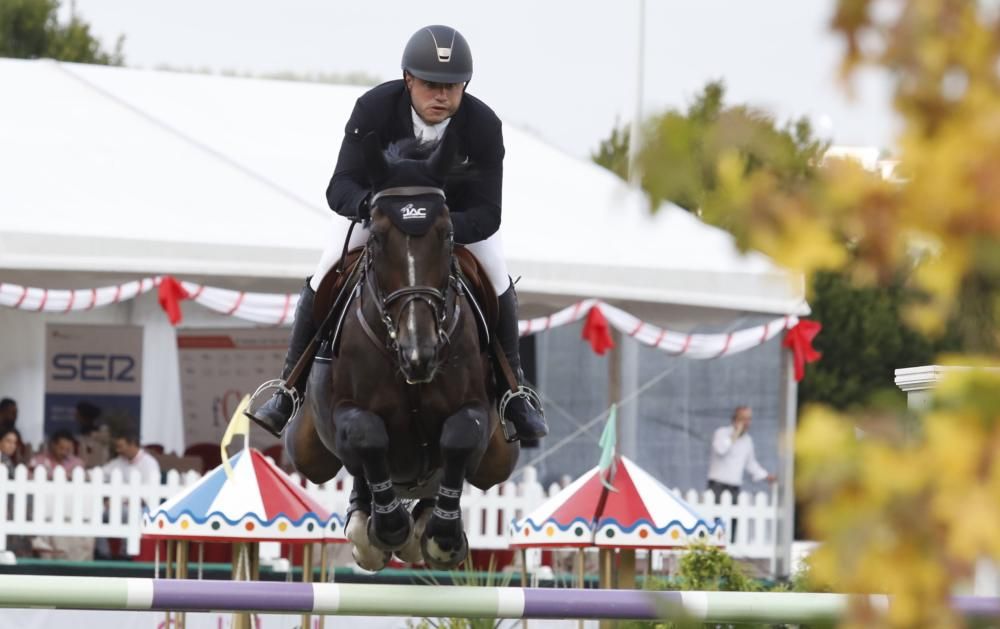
x,y
445,304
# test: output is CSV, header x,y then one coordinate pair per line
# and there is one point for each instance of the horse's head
x,y
410,249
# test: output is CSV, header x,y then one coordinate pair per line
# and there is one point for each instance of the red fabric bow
x,y
596,331
171,294
799,339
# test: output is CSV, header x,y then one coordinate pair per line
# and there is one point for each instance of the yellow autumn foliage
x,y
904,505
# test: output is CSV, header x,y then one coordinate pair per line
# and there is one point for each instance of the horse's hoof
x,y
412,553
371,559
441,556
391,540
366,555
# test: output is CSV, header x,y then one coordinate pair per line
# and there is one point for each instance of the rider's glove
x,y
364,208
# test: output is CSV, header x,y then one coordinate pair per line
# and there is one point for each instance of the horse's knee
x,y
464,432
360,432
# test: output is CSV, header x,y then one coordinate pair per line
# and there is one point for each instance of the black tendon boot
x,y
275,413
523,409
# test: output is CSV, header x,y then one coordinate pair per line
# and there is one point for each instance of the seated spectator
x,y
58,454
10,443
94,436
8,413
132,459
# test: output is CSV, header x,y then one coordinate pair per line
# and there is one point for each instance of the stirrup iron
x,y
279,386
509,434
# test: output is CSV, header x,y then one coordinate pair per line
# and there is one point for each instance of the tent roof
x,y
259,502
138,171
639,512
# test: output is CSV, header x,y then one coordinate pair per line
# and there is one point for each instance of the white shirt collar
x,y
427,132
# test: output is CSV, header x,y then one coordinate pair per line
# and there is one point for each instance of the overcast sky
x,y
563,69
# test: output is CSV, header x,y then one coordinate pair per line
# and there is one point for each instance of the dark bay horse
x,y
406,405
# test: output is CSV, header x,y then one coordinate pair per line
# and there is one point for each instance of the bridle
x,y
444,302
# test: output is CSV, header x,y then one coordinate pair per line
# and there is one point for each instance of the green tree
x,y
30,29
863,342
864,338
686,146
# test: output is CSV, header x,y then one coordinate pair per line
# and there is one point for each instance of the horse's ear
x,y
375,162
443,156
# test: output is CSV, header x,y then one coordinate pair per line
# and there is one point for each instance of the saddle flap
x,y
482,291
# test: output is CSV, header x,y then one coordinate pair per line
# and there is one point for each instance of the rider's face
x,y
434,102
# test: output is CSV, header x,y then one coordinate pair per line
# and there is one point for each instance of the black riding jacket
x,y
386,110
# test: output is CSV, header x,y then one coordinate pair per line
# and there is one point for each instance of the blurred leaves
x,y
30,29
901,513
903,504
681,151
907,512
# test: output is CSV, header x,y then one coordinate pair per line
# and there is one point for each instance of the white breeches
x,y
489,252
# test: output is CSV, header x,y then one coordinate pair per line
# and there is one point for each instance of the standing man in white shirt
x,y
733,455
132,459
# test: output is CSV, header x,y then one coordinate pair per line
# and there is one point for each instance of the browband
x,y
406,191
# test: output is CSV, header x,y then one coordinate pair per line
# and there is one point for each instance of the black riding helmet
x,y
438,54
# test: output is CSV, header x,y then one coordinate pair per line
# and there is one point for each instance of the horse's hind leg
x,y
363,445
463,440
498,461
305,449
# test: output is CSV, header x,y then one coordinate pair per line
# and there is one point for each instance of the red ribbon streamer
x,y
799,339
597,332
171,294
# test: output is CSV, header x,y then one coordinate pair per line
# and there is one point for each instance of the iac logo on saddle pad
x,y
409,212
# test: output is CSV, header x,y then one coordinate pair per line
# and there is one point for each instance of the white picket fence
x,y
89,505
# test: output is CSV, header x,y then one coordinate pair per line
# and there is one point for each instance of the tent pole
x,y
628,412
307,575
605,561
323,558
784,530
626,569
182,570
524,578
581,571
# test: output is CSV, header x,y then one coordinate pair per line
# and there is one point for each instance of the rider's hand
x,y
364,209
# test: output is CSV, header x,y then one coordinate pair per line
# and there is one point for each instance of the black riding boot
x,y
275,413
528,420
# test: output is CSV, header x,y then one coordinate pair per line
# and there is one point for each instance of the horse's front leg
x,y
463,441
363,446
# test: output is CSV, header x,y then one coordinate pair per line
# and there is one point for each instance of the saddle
x,y
471,274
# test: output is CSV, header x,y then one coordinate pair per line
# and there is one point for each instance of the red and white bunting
x,y
278,309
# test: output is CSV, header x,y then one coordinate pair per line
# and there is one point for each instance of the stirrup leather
x,y
509,434
276,385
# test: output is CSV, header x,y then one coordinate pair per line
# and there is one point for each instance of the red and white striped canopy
x,y
639,513
259,502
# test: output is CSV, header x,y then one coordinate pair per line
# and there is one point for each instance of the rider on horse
x,y
431,97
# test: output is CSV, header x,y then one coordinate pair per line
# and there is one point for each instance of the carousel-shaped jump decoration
x,y
246,500
616,505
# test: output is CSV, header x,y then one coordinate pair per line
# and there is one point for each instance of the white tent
x,y
120,173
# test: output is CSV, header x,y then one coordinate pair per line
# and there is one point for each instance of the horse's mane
x,y
414,149
409,148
